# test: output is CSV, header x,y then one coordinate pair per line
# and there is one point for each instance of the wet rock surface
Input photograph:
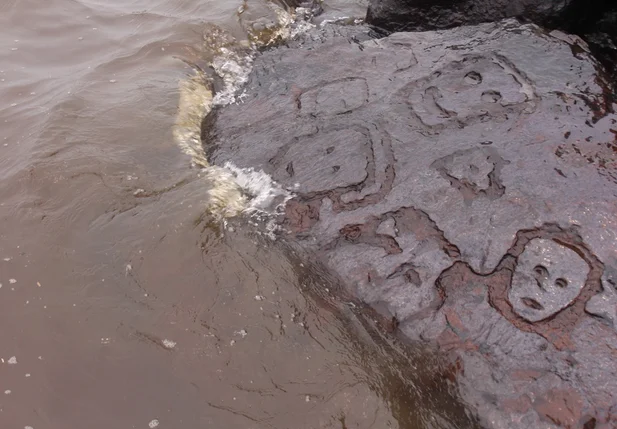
x,y
577,16
409,15
464,183
594,20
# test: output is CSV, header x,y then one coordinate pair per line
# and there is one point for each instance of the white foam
x,y
263,193
234,69
233,190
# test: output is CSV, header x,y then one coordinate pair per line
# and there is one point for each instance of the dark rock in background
x,y
422,15
576,16
463,182
595,20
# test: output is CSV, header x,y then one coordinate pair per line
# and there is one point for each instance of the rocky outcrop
x,y
418,15
464,183
595,20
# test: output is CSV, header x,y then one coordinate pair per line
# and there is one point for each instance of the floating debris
x,y
12,281
154,423
13,360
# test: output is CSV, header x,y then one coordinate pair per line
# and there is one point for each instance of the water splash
x,y
234,190
264,195
194,104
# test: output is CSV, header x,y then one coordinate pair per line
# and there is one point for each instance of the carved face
x,y
468,88
547,278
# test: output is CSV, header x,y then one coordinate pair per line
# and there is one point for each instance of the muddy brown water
x,y
120,307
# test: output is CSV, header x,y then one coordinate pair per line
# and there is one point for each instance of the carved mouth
x,y
532,303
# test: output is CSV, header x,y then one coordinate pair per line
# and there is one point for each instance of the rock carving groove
x,y
457,184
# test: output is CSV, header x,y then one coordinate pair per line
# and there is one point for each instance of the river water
x,y
121,305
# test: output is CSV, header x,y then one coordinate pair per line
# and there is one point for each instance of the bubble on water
x,y
7,392
153,423
12,281
169,344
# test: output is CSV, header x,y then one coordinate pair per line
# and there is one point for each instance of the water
x,y
124,303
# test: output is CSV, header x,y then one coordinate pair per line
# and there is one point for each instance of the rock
x,y
547,278
463,181
419,15
595,20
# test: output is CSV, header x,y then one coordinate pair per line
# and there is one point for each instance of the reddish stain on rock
x,y
519,405
561,407
300,216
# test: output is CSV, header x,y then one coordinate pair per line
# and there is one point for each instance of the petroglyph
x,y
547,278
334,98
467,91
322,161
604,305
438,183
474,172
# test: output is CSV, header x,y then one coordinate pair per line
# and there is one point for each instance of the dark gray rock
x,y
464,182
414,15
581,16
595,20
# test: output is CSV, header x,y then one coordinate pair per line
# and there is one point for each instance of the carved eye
x,y
473,78
562,283
491,96
540,270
